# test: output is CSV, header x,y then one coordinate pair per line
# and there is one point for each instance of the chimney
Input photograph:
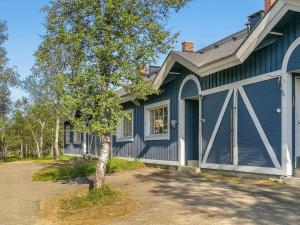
x,y
269,4
188,46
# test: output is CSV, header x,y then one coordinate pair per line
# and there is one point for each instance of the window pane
x,y
127,127
76,137
67,135
159,121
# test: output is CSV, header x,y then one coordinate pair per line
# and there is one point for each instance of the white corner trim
x,y
181,120
252,80
147,108
259,128
219,121
235,128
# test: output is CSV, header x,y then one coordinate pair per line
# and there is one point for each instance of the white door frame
x,y
181,121
297,118
287,112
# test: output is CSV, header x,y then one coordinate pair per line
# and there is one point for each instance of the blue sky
x,y
201,21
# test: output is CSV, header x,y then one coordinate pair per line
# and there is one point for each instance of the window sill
x,y
157,137
124,140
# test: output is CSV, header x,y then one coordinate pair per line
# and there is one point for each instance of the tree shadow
x,y
256,203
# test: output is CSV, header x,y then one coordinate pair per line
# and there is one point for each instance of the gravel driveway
x,y
20,196
165,197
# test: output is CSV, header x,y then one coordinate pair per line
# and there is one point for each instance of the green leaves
x,y
98,46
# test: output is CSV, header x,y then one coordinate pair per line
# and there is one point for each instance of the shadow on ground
x,y
261,204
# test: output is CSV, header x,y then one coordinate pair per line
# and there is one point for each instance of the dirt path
x,y
165,197
20,196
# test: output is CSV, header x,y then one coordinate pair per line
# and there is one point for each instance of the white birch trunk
x,y
103,159
56,140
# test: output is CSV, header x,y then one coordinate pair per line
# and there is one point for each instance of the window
x,y
67,141
125,129
76,137
157,120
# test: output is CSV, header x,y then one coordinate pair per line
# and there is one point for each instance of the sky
x,y
200,21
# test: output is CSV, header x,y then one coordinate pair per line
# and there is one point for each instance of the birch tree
x,y
8,78
102,45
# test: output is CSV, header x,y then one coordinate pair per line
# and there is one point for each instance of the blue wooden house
x,y
233,105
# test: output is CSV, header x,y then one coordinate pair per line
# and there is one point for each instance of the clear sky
x,y
201,21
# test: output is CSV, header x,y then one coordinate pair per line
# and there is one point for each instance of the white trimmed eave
x,y
255,38
265,26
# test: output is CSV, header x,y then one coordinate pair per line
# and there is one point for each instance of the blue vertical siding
x,y
190,89
261,61
294,62
191,130
221,151
211,108
252,151
165,150
265,98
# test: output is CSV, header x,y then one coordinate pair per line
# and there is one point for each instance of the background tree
x,y
102,44
8,78
44,85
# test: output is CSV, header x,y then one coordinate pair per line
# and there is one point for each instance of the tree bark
x,y
21,150
103,159
56,141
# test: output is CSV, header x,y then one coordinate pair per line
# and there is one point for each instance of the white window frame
x,y
68,135
147,122
119,137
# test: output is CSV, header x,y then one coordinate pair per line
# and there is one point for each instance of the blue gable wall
x,y
294,62
252,152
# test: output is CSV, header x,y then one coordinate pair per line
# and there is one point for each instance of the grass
x,y
104,196
99,206
50,159
75,169
117,165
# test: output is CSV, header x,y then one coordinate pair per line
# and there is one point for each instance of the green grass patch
x,y
68,169
116,165
51,159
103,196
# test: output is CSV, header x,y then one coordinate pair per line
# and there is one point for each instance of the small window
x,y
76,137
159,121
125,129
157,117
67,133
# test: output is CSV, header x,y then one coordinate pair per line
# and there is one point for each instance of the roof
x,y
216,51
230,51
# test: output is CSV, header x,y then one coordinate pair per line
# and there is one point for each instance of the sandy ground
x,y
20,196
165,197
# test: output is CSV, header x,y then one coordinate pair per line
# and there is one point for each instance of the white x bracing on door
x,y
259,128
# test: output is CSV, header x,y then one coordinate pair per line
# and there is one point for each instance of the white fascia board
x,y
266,25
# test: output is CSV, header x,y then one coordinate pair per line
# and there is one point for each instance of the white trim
x,y
84,145
147,108
246,169
235,128
119,136
160,162
253,80
287,112
181,120
219,121
259,128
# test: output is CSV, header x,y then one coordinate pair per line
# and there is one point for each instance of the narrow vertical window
x,y
125,129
